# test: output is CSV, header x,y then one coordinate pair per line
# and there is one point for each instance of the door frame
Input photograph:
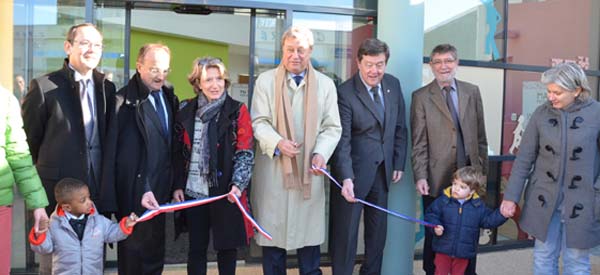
x,y
288,10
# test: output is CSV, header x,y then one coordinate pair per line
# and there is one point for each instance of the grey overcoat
x,y
560,156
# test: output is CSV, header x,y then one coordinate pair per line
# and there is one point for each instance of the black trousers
x,y
429,255
199,224
345,220
143,252
309,258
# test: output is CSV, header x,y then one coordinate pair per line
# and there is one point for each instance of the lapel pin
x,y
388,91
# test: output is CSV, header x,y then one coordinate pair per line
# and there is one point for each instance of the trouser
x,y
5,240
344,228
308,260
445,265
198,220
546,254
143,252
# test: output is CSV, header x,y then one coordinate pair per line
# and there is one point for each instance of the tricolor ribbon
x,y
393,213
170,207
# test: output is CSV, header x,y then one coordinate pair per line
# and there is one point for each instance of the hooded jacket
x,y
15,160
69,254
461,223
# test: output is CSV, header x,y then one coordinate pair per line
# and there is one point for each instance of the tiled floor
x,y
513,262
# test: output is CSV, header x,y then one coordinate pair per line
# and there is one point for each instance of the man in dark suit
x,y
140,174
448,132
370,154
65,117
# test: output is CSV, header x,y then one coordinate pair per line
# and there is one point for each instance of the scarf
x,y
293,177
200,178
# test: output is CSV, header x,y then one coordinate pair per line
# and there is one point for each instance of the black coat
x,y
228,227
127,178
53,121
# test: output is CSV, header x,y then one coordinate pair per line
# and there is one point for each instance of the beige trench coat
x,y
293,221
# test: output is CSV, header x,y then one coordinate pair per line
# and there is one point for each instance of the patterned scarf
x,y
200,178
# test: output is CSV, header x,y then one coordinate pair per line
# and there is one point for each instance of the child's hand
x,y
131,220
439,230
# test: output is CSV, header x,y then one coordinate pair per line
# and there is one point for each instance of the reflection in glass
x,y
336,41
39,33
535,37
358,4
473,26
111,22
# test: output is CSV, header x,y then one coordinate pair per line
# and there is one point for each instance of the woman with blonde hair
x,y
213,156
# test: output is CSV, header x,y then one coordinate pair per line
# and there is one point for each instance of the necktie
x,y
298,79
161,112
378,105
461,158
78,226
87,108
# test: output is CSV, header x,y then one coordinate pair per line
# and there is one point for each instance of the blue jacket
x,y
461,224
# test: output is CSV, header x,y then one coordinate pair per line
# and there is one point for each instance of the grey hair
x,y
300,33
442,49
568,76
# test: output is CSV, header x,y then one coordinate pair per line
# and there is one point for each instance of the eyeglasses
x,y
156,71
437,62
87,44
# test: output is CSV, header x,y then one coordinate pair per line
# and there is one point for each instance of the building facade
x,y
503,46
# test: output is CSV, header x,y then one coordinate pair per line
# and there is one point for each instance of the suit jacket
x,y
367,140
138,158
434,135
53,121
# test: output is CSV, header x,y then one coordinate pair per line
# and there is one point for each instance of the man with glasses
x,y
370,155
65,114
448,132
140,175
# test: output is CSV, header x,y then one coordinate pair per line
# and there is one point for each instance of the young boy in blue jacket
x,y
459,214
77,233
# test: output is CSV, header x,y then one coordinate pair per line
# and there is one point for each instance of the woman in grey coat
x,y
558,164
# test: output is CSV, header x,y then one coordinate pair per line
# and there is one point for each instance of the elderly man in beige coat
x,y
448,132
296,125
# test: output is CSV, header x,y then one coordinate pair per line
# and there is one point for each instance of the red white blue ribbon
x,y
170,207
390,212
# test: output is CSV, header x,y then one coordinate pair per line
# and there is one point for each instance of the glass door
x,y
244,38
193,31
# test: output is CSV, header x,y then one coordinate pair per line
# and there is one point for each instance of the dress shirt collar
x,y
453,85
369,87
291,75
78,77
71,216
